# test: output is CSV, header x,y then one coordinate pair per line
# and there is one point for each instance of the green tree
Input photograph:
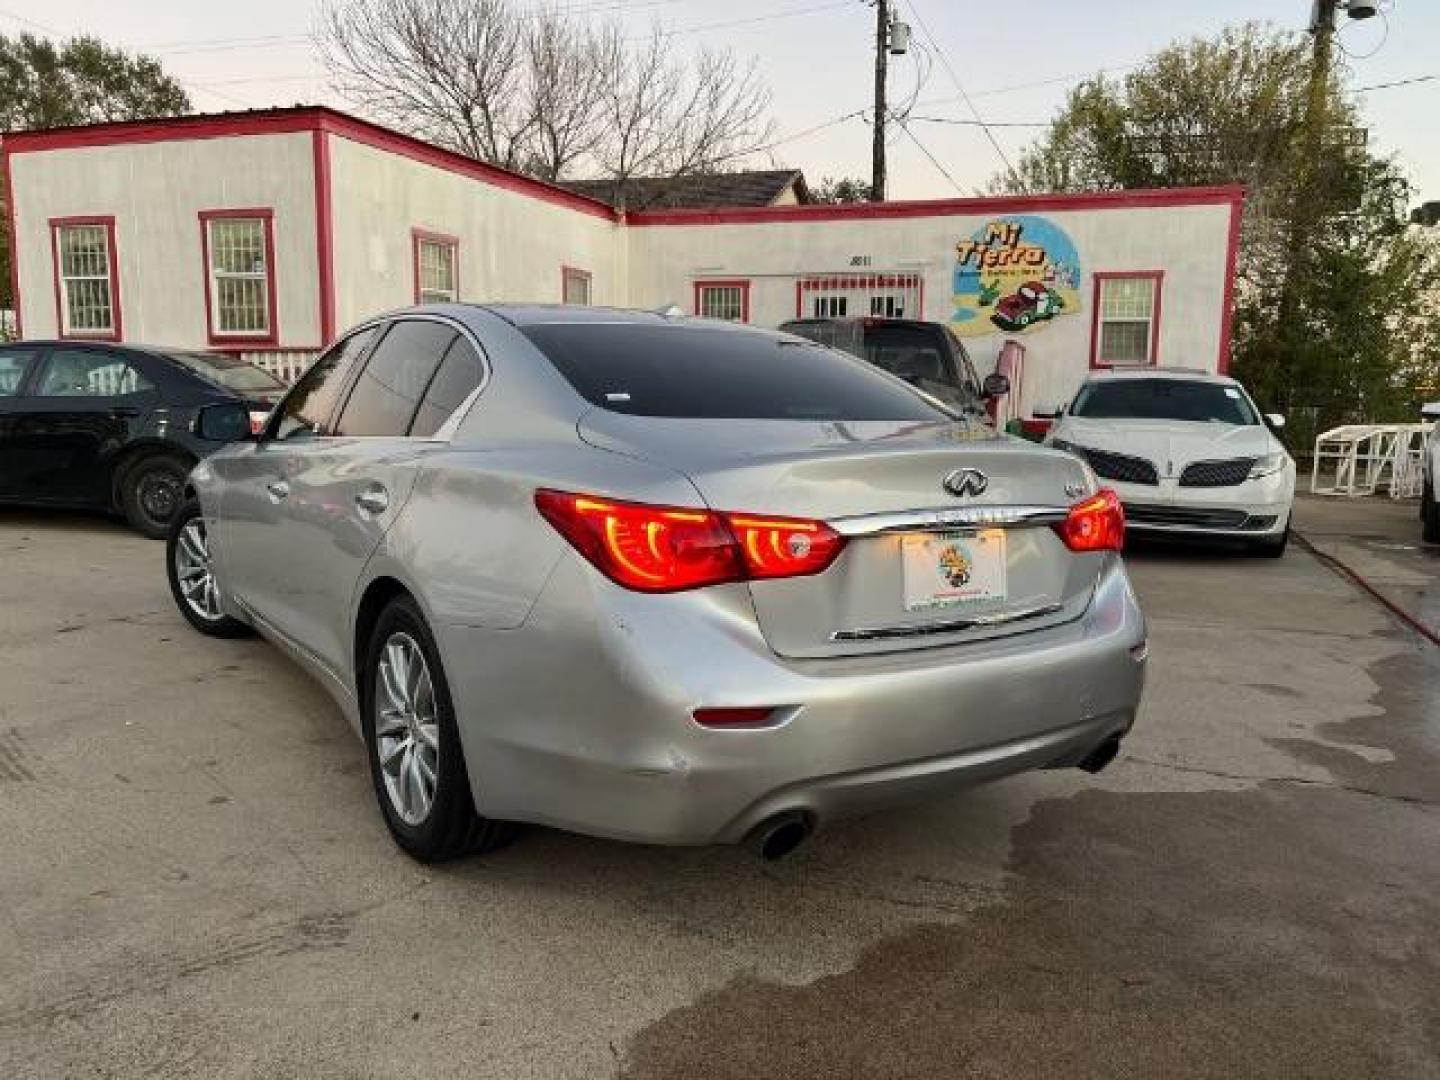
x,y
1327,319
847,189
46,84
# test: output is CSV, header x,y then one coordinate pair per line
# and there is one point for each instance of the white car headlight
x,y
1268,465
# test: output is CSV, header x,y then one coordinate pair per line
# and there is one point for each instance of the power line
x,y
933,159
1398,82
982,123
945,60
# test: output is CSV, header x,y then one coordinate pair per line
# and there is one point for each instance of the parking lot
x,y
195,880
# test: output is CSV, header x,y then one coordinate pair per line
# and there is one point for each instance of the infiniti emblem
x,y
966,482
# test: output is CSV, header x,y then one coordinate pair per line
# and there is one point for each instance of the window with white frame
x,y
1128,309
722,301
239,276
435,267
577,286
85,267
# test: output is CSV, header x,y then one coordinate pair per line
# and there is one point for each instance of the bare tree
x,y
665,116
452,71
545,92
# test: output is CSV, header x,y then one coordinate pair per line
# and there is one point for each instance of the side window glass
x,y
88,373
306,408
458,376
13,365
389,390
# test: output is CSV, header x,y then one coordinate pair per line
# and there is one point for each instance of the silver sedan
x,y
660,579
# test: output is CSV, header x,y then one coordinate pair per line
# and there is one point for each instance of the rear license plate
x,y
942,569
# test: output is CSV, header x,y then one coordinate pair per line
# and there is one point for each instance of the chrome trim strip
x,y
941,520
950,626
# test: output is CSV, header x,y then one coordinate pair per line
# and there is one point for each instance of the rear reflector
x,y
671,548
1097,524
731,718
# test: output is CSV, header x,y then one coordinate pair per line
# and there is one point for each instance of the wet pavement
x,y
195,882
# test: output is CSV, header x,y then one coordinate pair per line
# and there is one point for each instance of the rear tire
x,y
151,491
1429,515
192,575
423,786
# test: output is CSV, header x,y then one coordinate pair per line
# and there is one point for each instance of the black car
x,y
927,355
112,427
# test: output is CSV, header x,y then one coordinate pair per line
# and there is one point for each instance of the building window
x,y
437,268
728,300
575,285
240,275
1127,318
87,287
841,296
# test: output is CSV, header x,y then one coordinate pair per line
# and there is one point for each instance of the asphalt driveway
x,y
194,879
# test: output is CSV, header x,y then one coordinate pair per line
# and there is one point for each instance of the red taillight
x,y
783,547
1097,524
671,548
734,718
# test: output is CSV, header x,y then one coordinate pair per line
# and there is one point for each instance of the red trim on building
x,y
743,284
301,119
117,330
442,239
324,233
566,273
213,336
1158,294
1003,204
14,244
871,282
1227,305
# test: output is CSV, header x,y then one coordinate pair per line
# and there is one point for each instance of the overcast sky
x,y
1015,59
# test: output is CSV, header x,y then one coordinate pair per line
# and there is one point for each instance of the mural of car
x,y
1028,304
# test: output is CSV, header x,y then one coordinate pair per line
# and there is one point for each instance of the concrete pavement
x,y
195,881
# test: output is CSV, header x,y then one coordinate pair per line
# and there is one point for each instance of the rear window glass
x,y
229,372
1164,399
704,373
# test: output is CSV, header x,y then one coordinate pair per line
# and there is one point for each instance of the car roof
x,y
1181,373
541,314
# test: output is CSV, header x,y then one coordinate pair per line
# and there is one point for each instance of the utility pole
x,y
882,60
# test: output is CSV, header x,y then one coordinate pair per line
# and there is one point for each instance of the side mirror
x,y
995,385
1274,421
1430,410
224,423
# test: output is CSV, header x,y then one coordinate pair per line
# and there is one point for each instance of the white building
x,y
265,233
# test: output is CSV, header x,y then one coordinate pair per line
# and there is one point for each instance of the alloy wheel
x,y
407,730
159,495
194,572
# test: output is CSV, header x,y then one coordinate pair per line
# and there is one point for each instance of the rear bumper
x,y
582,718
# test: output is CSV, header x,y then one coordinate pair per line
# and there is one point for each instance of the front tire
x,y
191,572
1429,515
151,491
417,764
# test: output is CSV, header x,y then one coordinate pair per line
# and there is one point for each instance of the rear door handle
x,y
376,500
278,489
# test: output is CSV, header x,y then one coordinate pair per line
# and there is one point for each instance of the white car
x,y
1430,492
1187,452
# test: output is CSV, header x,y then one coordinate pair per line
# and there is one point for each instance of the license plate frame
x,y
942,570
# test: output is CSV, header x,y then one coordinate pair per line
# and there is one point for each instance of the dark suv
x,y
927,355
112,427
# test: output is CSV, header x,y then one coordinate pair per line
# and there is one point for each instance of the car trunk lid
x,y
922,565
